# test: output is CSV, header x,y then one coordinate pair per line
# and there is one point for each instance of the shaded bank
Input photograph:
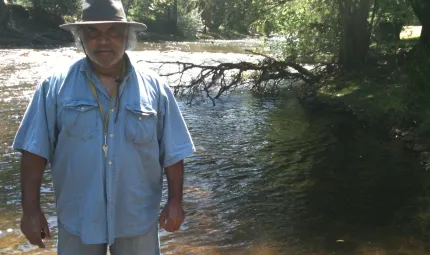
x,y
31,27
389,103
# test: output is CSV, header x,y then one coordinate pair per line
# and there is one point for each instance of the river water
x,y
268,177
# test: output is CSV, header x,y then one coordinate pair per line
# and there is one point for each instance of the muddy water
x,y
268,176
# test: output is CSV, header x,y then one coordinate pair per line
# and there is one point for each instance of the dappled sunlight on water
x,y
214,46
268,176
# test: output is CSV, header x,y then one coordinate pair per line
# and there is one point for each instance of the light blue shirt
x,y
101,198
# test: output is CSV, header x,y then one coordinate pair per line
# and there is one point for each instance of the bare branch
x,y
213,81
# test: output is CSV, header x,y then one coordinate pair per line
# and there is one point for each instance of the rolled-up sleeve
x,y
36,133
174,137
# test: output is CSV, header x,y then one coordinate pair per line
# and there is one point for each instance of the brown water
x,y
268,176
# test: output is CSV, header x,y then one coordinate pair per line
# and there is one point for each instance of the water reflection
x,y
327,185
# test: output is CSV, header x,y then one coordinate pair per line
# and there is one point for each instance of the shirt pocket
x,y
80,119
140,123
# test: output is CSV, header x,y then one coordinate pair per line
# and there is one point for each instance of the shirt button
x,y
111,135
82,108
140,118
110,162
113,109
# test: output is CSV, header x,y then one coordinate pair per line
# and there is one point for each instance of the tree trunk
x,y
4,15
425,37
355,39
398,30
422,10
175,18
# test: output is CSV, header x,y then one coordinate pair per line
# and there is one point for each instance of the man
x,y
107,130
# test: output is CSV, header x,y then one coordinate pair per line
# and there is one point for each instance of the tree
x,y
127,7
4,15
213,13
307,30
175,17
355,38
57,7
234,15
388,19
422,11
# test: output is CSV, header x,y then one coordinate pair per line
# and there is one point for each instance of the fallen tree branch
x,y
212,81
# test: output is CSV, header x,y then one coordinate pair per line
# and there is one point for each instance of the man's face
x,y
105,43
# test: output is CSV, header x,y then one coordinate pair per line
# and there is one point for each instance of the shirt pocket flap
x,y
141,110
140,123
80,105
79,118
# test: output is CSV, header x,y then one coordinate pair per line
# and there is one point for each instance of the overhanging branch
x,y
212,81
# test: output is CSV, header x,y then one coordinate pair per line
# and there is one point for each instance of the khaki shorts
x,y
146,244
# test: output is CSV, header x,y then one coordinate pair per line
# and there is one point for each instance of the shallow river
x,y
268,176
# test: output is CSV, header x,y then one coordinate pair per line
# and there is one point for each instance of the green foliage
x,y
306,30
189,22
418,71
310,29
51,13
178,17
396,11
388,17
161,16
150,9
59,7
239,15
213,13
229,15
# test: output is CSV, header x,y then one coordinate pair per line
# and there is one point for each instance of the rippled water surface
x,y
268,176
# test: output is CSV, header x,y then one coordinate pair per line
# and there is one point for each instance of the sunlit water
x,y
268,176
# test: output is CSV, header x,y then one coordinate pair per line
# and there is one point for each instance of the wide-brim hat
x,y
103,11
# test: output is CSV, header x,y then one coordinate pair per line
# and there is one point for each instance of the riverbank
x,y
394,102
392,96
384,105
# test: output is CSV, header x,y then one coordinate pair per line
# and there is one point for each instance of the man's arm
x,y
33,220
175,145
32,169
175,181
35,138
173,215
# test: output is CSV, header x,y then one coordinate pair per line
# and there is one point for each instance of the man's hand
x,y
172,216
32,224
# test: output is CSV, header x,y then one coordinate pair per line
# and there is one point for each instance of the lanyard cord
x,y
117,80
104,119
116,92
